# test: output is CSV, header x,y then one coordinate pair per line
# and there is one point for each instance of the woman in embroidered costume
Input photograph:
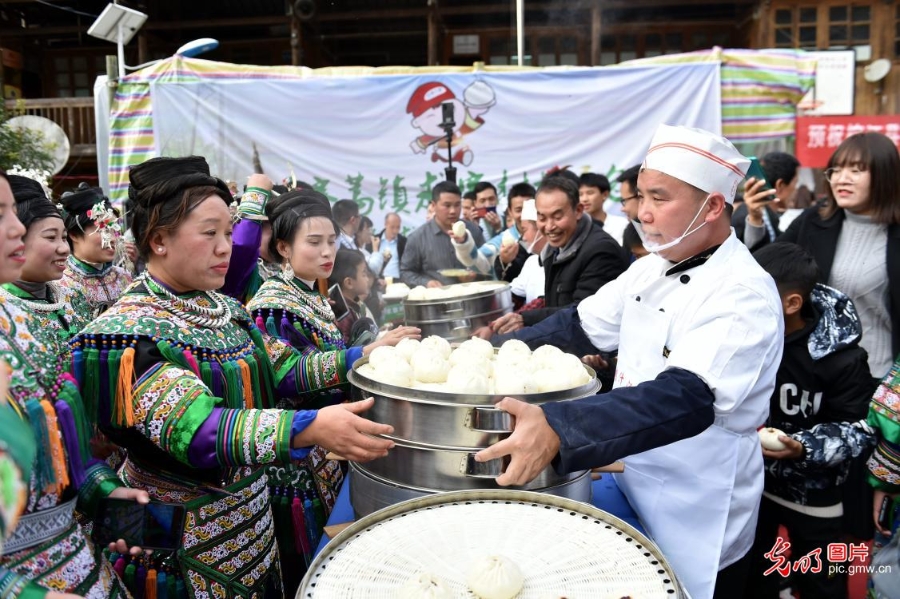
x,y
884,463
187,385
17,444
48,553
93,228
289,307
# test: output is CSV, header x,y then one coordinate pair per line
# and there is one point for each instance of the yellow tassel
x,y
57,453
124,397
247,383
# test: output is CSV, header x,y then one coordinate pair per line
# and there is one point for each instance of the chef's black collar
x,y
693,261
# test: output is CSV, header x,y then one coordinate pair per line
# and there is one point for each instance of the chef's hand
x,y
393,337
876,510
756,199
340,430
595,361
493,219
434,283
508,253
508,323
138,496
793,451
531,446
485,332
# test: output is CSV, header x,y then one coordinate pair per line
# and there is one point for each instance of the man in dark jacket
x,y
580,257
820,402
391,241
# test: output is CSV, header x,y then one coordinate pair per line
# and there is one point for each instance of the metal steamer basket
x,y
449,419
563,548
370,493
457,318
436,437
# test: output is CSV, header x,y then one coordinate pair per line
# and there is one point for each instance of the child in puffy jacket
x,y
820,402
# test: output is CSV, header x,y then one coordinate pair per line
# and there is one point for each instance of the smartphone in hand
x,y
155,525
756,171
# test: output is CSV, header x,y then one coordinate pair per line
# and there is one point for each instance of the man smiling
x,y
580,257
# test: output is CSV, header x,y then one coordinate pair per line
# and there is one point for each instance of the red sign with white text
x,y
819,136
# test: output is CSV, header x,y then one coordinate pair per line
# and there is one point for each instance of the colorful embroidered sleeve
x,y
304,369
17,451
179,414
100,480
884,417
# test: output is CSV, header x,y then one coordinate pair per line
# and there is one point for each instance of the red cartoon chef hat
x,y
428,95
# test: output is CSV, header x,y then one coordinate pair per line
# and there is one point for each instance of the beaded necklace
x,y
317,302
53,290
209,317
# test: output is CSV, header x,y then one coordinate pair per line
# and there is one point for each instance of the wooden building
x,y
49,59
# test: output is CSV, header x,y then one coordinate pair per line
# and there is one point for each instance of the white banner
x,y
372,139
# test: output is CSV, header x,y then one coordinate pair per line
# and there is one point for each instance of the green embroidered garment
x,y
191,395
48,549
287,309
101,286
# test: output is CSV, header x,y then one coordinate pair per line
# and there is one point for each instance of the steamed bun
x,y
429,367
513,380
368,371
561,372
407,348
545,354
397,373
416,293
437,344
477,349
382,355
514,346
425,585
495,577
464,379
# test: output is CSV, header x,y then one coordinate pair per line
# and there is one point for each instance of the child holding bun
x,y
821,398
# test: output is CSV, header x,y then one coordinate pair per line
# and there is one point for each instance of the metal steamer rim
x,y
563,548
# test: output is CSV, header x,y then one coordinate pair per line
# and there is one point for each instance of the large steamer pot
x,y
370,493
457,318
448,419
446,469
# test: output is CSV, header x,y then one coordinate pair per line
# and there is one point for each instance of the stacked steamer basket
x,y
437,434
562,548
455,312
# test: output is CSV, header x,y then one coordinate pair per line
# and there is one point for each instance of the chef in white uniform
x,y
699,330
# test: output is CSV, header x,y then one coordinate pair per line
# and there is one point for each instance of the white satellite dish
x,y
52,135
877,71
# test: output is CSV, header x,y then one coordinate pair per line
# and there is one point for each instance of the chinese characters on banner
x,y
378,140
819,137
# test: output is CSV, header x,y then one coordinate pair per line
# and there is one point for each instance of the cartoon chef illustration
x,y
425,107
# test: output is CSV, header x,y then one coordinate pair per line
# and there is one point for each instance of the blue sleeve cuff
x,y
353,354
302,419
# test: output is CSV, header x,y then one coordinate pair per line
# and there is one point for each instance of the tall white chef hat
x,y
529,210
705,160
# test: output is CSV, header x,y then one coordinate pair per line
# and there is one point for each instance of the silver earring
x,y
287,271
